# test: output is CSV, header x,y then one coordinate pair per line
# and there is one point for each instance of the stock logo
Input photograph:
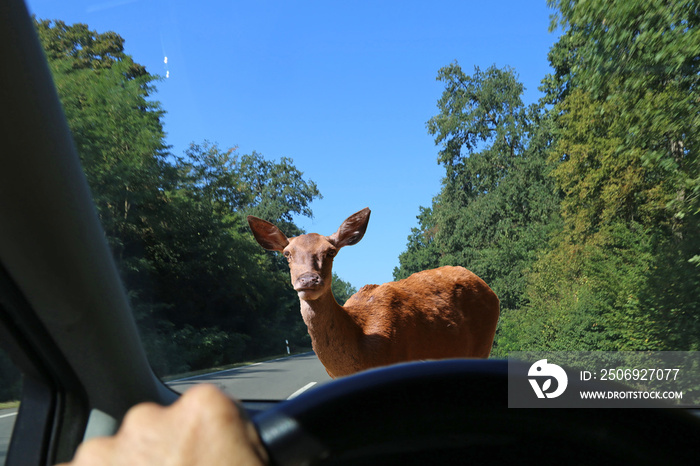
x,y
543,372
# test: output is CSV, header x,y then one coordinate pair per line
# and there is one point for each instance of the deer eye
x,y
288,255
331,253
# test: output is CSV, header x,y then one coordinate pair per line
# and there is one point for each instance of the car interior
x,y
66,323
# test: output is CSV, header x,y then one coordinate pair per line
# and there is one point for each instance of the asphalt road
x,y
278,379
7,421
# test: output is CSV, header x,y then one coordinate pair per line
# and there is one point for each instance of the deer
x,y
443,313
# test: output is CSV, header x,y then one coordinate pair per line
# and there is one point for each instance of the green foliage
x,y
422,252
482,109
341,289
116,129
497,202
209,347
625,158
208,271
643,58
276,191
586,297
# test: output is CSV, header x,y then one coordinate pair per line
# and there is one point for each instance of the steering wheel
x,y
455,411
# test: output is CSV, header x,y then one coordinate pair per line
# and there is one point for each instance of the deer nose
x,y
308,280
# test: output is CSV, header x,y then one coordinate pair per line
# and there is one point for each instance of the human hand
x,y
203,427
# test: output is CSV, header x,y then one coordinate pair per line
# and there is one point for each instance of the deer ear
x,y
267,235
352,230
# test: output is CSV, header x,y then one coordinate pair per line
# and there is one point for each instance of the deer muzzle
x,y
308,281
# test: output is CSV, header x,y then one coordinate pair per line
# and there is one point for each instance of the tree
x,y
276,191
497,201
208,266
641,60
342,290
625,160
116,128
422,252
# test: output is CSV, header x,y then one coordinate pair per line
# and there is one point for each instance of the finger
x,y
143,414
224,413
98,450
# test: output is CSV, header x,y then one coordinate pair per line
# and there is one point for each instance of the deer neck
x,y
334,334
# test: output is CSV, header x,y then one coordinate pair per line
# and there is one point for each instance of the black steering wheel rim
x,y
455,410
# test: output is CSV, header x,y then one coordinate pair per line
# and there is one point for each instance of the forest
x,y
582,211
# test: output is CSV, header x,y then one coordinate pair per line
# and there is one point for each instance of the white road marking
x,y
8,415
292,356
301,390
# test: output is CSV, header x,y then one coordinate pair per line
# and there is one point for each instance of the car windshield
x,y
550,148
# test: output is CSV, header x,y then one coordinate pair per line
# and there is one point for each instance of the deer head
x,y
311,256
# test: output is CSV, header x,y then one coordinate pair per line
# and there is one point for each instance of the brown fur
x,y
446,312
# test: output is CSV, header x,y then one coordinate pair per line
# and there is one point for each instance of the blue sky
x,y
342,88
